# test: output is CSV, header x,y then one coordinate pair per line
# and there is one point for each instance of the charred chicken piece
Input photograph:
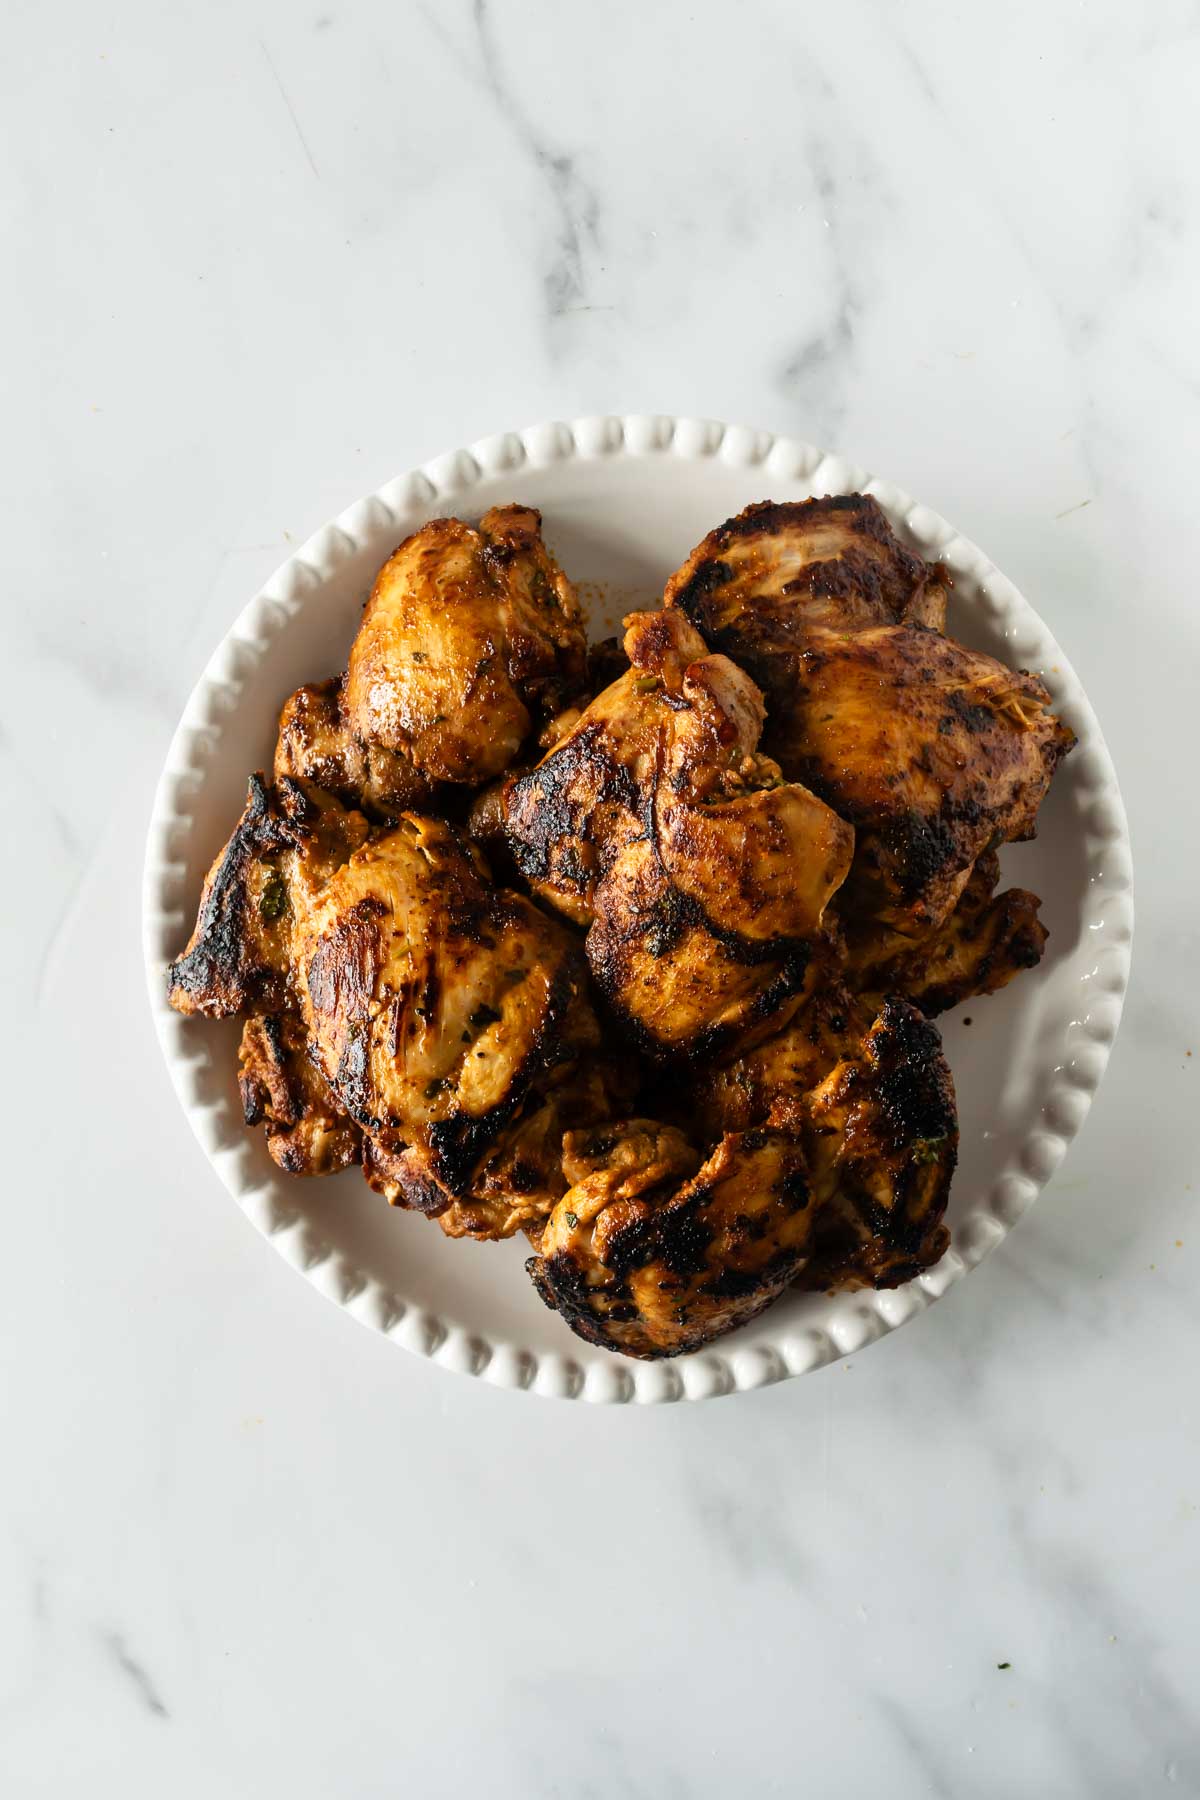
x,y
883,1143
438,1008
702,876
289,840
655,1252
876,1113
469,640
761,580
981,945
934,754
307,1131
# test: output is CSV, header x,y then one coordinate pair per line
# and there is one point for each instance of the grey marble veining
x,y
261,259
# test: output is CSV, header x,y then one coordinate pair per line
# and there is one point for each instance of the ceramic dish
x,y
624,500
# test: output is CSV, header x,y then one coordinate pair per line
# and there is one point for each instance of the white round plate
x,y
623,501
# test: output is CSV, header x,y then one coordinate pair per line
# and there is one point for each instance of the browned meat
x,y
982,944
875,1110
469,639
703,877
240,959
307,1132
771,1082
760,581
883,1143
315,745
653,1251
520,1178
932,752
438,1008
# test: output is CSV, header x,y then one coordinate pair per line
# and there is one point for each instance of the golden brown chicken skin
x,y
469,640
655,1252
883,1144
307,1132
240,958
934,753
779,569
437,1007
702,877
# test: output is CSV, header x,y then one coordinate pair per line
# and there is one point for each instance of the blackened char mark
x,y
562,1286
693,597
912,1081
343,968
553,802
220,974
457,1143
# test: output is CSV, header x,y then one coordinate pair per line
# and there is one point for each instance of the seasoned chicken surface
x,y
771,1081
986,940
290,838
701,875
470,638
759,581
654,1252
876,1113
437,1007
520,1178
883,1143
934,753
307,1131
315,745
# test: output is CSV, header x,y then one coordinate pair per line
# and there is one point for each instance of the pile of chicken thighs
x,y
636,954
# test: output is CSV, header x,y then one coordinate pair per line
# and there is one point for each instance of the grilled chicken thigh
x,y
844,1183
986,940
873,1103
934,754
440,1009
702,876
760,581
653,1251
241,956
469,639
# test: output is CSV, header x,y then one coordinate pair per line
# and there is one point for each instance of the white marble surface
x,y
259,258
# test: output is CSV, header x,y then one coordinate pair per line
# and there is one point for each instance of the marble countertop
x,y
261,258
